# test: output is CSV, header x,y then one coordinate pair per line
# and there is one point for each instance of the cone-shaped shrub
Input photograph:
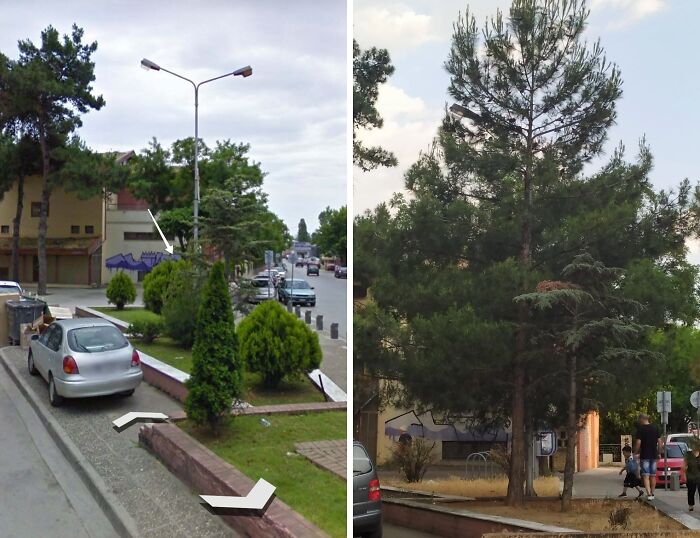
x,y
216,376
275,343
121,290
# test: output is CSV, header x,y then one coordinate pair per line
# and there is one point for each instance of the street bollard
x,y
297,311
307,317
290,308
334,331
675,481
319,322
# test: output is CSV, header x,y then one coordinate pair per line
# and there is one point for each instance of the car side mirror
x,y
35,337
313,288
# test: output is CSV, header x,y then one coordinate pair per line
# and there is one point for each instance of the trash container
x,y
675,481
22,312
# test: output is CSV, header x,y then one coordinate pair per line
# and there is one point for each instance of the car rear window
x,y
96,339
9,289
361,463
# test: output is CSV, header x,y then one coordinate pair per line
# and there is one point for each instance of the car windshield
x,y
4,288
297,284
96,339
360,461
262,283
674,451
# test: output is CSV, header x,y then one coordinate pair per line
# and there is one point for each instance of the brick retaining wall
x,y
208,474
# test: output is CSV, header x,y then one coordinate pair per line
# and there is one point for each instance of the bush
x,y
146,330
155,285
276,344
121,290
216,376
181,303
413,458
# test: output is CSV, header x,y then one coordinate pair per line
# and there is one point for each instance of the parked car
x,y
686,438
341,271
366,495
312,269
675,453
297,291
9,286
264,289
281,272
84,357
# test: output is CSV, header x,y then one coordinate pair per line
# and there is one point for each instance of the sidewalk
x,y
606,482
34,475
158,503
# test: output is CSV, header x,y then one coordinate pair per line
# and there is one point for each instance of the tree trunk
x,y
530,463
14,263
43,214
516,477
571,437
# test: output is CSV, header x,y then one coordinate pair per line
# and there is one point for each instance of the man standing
x,y
646,448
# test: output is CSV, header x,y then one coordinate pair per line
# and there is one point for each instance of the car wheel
x,y
312,304
30,364
127,393
377,533
55,398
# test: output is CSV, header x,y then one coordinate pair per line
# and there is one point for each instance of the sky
x,y
651,41
292,111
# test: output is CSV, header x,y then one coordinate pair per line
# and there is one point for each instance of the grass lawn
x,y
129,315
261,452
166,350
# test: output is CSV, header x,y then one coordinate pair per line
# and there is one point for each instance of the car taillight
x,y
135,359
69,365
374,492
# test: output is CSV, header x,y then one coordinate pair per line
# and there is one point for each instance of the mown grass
x,y
268,452
129,315
166,350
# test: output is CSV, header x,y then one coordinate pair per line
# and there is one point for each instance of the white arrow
x,y
168,246
256,499
127,420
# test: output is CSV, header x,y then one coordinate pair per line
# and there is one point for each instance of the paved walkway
x,y
158,502
330,455
36,477
605,482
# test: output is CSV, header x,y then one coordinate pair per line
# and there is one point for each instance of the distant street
x,y
331,297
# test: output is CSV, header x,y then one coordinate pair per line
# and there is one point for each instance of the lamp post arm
x,y
213,79
179,76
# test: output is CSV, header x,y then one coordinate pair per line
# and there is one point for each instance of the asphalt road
x,y
331,297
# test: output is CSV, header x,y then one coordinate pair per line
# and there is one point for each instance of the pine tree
x,y
216,377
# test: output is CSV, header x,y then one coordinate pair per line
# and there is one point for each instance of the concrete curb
x,y
117,515
674,513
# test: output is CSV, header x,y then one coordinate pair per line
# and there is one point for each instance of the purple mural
x,y
147,261
425,426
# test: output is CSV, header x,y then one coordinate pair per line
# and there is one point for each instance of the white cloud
x,y
395,28
625,12
409,128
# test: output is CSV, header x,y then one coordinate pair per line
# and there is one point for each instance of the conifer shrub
x,y
121,290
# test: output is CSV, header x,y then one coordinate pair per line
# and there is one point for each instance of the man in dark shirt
x,y
646,448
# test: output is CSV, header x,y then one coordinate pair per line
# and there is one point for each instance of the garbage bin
x,y
22,312
675,481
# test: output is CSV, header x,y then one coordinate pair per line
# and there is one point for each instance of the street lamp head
x,y
243,71
148,65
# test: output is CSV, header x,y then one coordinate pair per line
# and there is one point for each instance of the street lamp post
x,y
243,72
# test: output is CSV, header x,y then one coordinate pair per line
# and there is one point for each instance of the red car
x,y
675,462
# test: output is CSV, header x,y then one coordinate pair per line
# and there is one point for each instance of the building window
x,y
36,209
89,230
141,236
75,229
5,229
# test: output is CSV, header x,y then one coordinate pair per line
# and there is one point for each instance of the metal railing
x,y
481,465
615,450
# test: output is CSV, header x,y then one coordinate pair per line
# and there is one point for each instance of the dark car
x,y
341,271
297,291
312,269
366,496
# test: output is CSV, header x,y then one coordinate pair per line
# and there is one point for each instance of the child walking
x,y
632,479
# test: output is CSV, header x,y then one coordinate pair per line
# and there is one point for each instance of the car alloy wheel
x,y
55,398
30,364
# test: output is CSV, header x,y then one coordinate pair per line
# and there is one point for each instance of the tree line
x,y
513,288
43,95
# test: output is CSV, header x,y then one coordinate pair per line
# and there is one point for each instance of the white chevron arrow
x,y
127,420
256,499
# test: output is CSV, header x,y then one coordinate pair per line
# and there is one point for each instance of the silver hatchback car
x,y
366,495
84,357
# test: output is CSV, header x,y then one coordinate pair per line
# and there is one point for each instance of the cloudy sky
x,y
293,110
650,40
